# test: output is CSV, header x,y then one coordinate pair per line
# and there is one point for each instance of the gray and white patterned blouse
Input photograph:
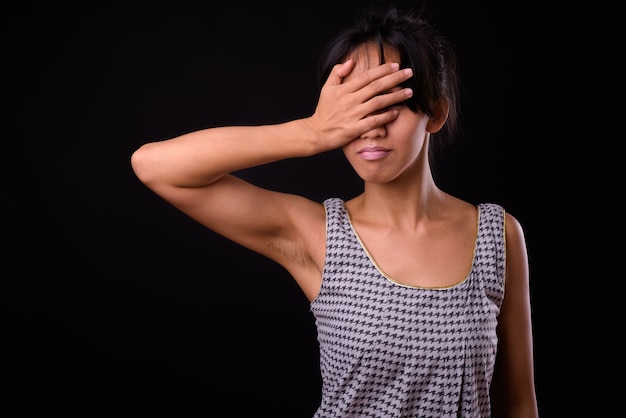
x,y
390,350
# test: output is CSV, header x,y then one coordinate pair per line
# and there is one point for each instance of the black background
x,y
115,304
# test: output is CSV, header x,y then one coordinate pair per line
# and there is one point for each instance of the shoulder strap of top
x,y
492,225
334,209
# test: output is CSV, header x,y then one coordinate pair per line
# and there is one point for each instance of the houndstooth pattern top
x,y
390,350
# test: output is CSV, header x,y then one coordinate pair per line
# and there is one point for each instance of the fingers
x,y
381,109
339,72
384,91
378,79
369,83
346,68
378,87
378,119
383,101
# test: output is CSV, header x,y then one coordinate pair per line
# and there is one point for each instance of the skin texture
x,y
409,225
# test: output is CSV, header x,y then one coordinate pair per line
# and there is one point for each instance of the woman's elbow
x,y
142,162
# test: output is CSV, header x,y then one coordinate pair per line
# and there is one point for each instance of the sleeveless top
x,y
391,350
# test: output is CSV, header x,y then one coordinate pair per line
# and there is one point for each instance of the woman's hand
x,y
346,110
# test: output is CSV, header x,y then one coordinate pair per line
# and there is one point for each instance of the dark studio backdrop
x,y
115,304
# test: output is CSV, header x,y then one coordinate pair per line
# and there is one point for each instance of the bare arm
x,y
513,386
192,171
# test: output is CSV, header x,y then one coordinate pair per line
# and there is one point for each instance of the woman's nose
x,y
378,132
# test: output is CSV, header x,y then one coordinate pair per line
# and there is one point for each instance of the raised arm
x,y
192,171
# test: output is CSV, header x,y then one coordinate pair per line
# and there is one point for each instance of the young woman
x,y
421,299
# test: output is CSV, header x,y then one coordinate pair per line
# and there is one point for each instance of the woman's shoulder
x,y
496,209
497,215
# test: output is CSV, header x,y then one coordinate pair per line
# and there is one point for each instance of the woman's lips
x,y
373,153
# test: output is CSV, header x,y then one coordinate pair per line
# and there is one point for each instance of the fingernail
x,y
395,65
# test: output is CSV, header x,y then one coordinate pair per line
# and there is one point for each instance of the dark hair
x,y
421,47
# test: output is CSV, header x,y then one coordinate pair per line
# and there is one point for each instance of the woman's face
x,y
384,153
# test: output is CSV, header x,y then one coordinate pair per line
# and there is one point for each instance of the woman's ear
x,y
438,119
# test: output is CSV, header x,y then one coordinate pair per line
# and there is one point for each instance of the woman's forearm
x,y
199,158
